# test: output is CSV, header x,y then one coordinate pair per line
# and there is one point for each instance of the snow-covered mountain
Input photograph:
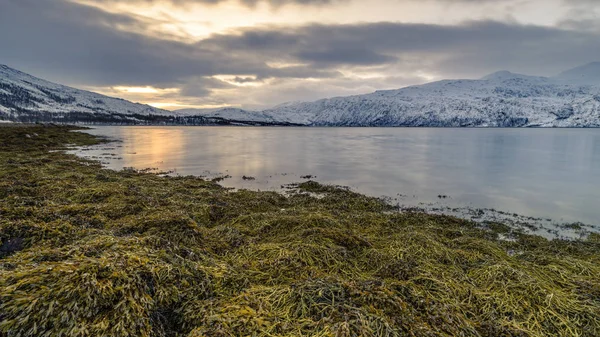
x,y
25,97
586,74
502,99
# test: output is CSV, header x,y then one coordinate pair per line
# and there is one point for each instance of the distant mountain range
x,y
25,98
502,99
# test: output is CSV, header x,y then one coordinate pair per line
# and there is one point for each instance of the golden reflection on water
x,y
238,152
148,149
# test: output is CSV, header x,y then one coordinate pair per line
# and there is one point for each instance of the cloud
x,y
583,15
491,44
351,56
249,3
81,45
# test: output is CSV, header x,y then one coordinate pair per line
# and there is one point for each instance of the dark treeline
x,y
123,119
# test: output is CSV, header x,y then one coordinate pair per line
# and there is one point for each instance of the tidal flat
x,y
88,251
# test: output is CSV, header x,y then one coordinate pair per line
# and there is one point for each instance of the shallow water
x,y
546,173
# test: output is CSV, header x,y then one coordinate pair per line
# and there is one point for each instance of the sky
x,y
254,54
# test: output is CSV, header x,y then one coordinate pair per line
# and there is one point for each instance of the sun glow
x,y
145,90
193,21
283,65
177,106
240,80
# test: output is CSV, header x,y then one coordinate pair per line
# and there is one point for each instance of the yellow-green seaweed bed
x,y
86,251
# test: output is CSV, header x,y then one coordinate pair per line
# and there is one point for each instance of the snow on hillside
x,y
22,93
501,99
495,101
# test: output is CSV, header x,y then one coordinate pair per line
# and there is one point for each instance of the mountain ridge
x,y
588,74
500,99
24,97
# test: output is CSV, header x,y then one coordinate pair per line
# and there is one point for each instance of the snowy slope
x,y
498,100
588,74
502,99
21,93
25,98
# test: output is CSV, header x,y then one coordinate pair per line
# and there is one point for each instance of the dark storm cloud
x,y
199,87
484,46
78,44
67,38
351,56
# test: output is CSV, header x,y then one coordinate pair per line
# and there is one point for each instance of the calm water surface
x,y
549,173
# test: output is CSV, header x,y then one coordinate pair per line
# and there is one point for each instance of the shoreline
x,y
533,223
93,251
246,124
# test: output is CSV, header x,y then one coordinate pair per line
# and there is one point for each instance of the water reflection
x,y
150,148
543,173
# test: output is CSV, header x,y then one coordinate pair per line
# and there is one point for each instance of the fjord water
x,y
548,173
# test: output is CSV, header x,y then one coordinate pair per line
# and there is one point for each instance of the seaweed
x,y
86,251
